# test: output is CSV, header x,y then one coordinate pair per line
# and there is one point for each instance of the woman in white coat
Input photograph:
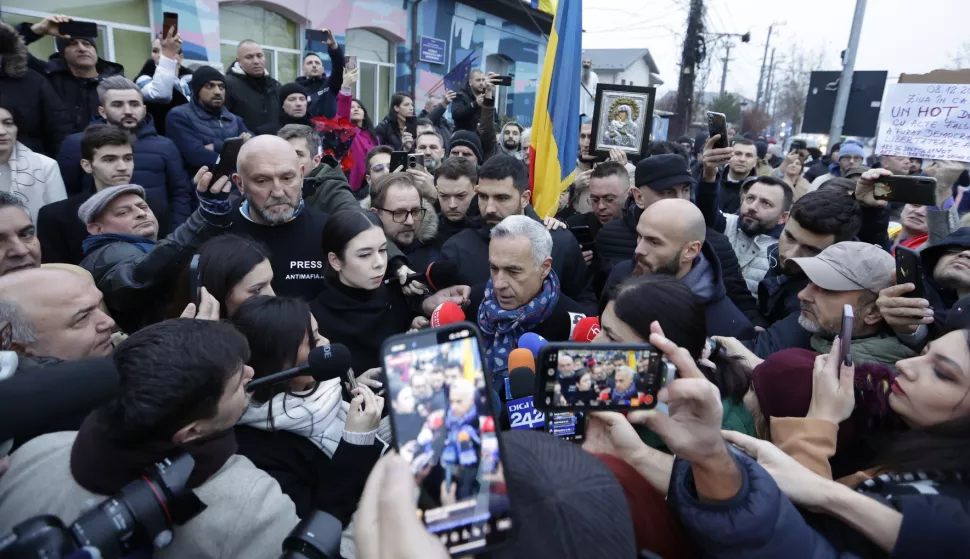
x,y
31,176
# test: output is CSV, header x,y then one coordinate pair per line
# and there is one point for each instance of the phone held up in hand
x,y
317,35
399,160
78,28
906,189
717,124
845,337
350,62
445,428
195,282
226,163
578,376
170,20
909,269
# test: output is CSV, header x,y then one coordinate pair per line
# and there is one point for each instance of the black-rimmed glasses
x,y
400,216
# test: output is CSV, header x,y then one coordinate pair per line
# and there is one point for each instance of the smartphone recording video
x,y
611,376
444,426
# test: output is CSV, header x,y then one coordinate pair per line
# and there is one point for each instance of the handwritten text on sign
x,y
929,121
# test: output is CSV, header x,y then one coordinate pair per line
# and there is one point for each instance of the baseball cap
x,y
850,266
96,204
662,172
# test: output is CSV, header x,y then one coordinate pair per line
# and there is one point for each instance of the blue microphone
x,y
532,342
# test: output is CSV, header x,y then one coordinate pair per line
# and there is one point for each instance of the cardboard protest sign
x,y
927,116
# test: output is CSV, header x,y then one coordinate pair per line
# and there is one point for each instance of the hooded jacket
x,y
941,298
469,250
256,100
43,121
79,95
423,250
705,280
778,291
159,169
192,127
159,103
617,240
516,153
465,111
323,90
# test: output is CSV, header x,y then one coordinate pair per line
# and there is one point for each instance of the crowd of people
x,y
141,291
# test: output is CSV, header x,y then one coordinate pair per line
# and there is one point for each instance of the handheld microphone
x,y
520,406
586,329
438,275
446,313
533,342
324,363
522,357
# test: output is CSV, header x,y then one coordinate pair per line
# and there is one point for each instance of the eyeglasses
x,y
378,168
6,336
400,216
954,250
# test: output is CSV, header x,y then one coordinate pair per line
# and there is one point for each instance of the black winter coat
x,y
255,100
617,241
79,95
159,110
43,122
465,111
469,250
323,90
306,475
388,133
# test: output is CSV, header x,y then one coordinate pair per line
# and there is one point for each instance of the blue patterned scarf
x,y
501,328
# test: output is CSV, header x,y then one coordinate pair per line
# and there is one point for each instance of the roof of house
x,y
619,59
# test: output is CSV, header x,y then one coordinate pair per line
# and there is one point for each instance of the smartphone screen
x,y
906,189
444,426
845,337
717,124
568,426
575,376
411,126
350,62
195,282
315,35
169,20
226,163
909,269
79,28
584,235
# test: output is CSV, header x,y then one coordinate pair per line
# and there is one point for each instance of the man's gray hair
x,y
302,131
524,226
10,199
114,83
23,332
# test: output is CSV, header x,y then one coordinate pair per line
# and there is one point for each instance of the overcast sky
x,y
910,36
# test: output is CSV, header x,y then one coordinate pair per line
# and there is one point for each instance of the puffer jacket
x,y
255,100
191,127
388,133
43,121
137,276
761,522
424,249
79,95
158,169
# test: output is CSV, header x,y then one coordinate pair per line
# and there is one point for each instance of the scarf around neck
x,y
102,466
502,328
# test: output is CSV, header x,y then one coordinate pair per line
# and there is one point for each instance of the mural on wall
x,y
198,26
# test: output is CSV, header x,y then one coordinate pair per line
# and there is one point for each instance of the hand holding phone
x,y
87,29
170,24
195,281
717,125
906,189
226,163
909,269
845,337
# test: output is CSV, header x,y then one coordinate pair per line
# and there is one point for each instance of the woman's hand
x,y
608,432
370,378
407,142
365,410
350,77
803,486
208,308
833,396
418,323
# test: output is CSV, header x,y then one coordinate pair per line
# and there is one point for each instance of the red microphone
x,y
586,329
446,313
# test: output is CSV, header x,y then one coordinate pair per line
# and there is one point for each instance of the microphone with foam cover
x,y
521,407
532,342
438,275
324,363
522,357
446,313
586,329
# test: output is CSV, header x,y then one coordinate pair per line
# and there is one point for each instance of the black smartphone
x,y
448,435
415,161
845,337
717,124
399,159
909,269
350,62
195,282
578,376
584,235
502,80
567,425
906,189
411,126
226,163
170,20
317,35
78,28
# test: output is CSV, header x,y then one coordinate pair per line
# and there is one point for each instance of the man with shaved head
x,y
62,310
270,177
251,92
671,240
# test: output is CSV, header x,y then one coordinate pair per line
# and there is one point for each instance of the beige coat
x,y
247,515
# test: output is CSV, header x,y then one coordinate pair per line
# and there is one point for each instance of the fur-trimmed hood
x,y
429,227
14,52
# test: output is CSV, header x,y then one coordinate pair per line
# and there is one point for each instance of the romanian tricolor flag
x,y
548,6
555,126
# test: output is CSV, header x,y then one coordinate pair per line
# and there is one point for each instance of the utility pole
x,y
848,67
727,58
764,61
688,62
768,82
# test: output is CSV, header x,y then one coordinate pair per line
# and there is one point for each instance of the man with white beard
x,y
587,89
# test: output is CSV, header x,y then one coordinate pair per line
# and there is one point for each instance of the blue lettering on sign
x,y
523,415
432,50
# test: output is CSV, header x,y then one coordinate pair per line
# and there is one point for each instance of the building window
x,y
375,58
125,38
278,35
622,82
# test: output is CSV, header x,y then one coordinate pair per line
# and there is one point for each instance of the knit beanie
x,y
471,141
290,89
204,75
851,148
63,43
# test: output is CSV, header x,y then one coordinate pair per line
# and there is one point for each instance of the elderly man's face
x,y
623,379
821,309
565,367
461,398
272,182
19,246
515,277
127,214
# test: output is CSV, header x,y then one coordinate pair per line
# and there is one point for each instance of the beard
x,y
669,268
512,145
278,210
752,227
586,73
